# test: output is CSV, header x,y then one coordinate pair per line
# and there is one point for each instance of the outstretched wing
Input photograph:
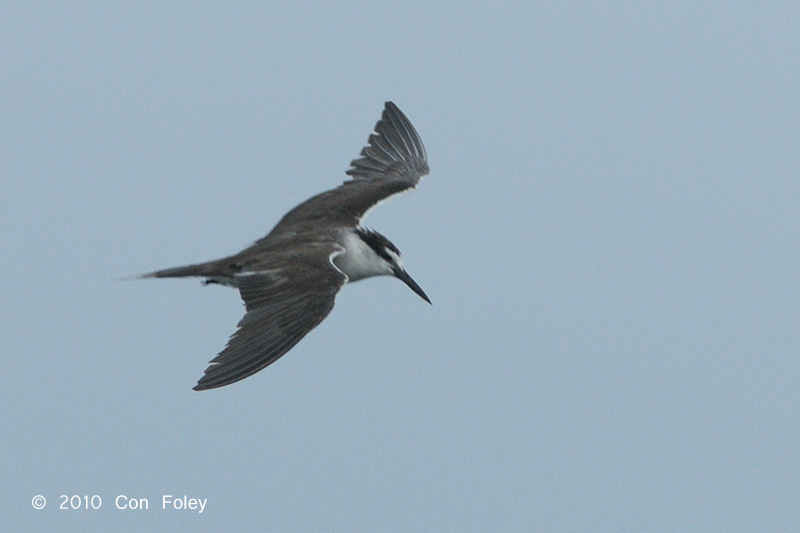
x,y
283,305
392,162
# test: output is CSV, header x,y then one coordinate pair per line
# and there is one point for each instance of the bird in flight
x,y
289,279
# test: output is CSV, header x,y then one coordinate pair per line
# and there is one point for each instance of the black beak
x,y
402,275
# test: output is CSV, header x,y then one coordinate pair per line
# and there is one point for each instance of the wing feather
x,y
394,161
283,305
396,139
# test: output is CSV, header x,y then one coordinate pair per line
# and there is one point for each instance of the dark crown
x,y
378,243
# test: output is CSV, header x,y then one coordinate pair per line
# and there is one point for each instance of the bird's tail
x,y
203,270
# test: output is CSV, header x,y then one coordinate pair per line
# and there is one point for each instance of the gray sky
x,y
609,235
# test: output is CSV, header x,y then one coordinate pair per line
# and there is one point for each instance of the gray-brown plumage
x,y
289,279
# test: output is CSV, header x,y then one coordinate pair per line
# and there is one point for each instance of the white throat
x,y
359,260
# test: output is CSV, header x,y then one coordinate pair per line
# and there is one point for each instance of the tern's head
x,y
389,260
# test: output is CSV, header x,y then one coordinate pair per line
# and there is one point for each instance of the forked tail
x,y
205,270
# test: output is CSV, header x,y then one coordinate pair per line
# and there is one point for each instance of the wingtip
x,y
207,383
204,384
394,147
